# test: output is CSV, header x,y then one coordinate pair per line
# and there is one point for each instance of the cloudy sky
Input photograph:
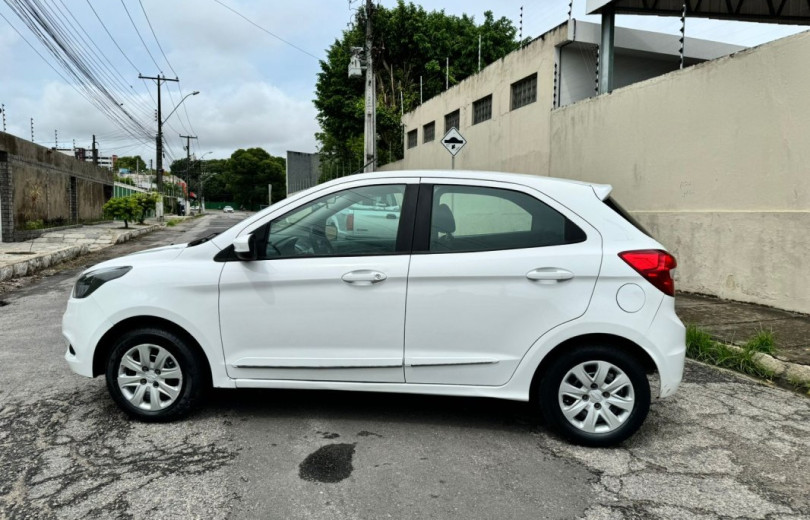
x,y
255,89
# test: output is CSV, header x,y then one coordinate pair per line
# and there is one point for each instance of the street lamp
x,y
202,182
159,149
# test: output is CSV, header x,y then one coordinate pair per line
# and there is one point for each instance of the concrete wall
x,y
519,136
714,159
40,184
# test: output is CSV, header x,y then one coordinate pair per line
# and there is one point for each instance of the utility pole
x,y
95,151
370,145
32,129
188,139
682,39
3,110
159,143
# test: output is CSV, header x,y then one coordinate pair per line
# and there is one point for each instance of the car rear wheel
x,y
153,375
595,395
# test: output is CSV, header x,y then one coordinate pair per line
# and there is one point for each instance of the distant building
x,y
303,171
83,154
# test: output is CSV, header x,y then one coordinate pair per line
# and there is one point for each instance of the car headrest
x,y
443,219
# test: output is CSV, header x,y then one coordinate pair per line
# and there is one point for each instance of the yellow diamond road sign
x,y
453,141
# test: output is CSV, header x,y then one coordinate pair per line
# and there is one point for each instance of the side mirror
x,y
245,247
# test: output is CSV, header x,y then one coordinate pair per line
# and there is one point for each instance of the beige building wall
x,y
714,159
513,140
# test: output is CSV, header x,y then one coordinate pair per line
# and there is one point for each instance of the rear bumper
x,y
669,335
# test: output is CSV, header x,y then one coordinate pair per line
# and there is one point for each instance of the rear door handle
x,y
552,274
363,277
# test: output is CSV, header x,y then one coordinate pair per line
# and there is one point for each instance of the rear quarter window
x,y
615,206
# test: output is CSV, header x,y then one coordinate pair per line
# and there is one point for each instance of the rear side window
x,y
472,218
615,206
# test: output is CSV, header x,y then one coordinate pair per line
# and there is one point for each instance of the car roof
x,y
539,182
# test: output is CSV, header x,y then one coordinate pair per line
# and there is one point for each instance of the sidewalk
x,y
735,323
25,258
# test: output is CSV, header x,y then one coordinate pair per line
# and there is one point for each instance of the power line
x,y
139,35
155,36
62,46
111,37
265,30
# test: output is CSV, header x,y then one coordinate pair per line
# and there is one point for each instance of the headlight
x,y
93,280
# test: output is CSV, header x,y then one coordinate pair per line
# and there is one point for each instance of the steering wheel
x,y
313,244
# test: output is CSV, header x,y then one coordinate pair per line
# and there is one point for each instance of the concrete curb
x,y
793,374
38,262
41,261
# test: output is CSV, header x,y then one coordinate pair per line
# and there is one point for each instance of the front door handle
x,y
553,274
363,277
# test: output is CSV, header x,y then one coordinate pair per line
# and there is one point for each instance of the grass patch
x,y
701,347
763,342
173,222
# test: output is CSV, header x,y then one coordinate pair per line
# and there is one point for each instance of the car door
x,y
319,304
495,266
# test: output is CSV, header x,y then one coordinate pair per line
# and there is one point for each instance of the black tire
x,y
181,360
552,397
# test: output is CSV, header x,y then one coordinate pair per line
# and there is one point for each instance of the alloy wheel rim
x,y
150,377
596,397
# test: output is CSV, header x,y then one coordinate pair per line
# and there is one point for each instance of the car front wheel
x,y
595,395
153,375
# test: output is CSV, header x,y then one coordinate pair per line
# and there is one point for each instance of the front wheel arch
x,y
107,341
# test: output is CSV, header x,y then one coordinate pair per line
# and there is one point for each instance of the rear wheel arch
x,y
608,340
107,342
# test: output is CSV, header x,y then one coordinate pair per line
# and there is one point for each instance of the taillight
x,y
350,222
654,265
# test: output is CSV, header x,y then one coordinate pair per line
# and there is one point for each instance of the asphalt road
x,y
723,447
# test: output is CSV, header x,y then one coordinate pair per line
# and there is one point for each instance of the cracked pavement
x,y
724,446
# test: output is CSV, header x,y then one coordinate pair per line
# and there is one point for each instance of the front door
x,y
323,302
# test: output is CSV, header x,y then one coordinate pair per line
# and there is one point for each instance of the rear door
x,y
495,266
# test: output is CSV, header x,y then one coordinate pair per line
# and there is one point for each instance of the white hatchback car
x,y
497,285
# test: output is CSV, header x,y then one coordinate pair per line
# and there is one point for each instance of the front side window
x,y
357,221
473,218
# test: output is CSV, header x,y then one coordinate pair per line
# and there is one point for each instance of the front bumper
x,y
83,325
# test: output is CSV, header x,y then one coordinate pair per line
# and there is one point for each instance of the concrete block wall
x,y
38,183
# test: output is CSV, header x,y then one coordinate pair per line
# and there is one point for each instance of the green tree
x,y
122,208
215,188
248,172
409,43
146,202
131,163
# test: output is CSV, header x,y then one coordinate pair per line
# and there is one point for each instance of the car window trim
x,y
421,243
404,237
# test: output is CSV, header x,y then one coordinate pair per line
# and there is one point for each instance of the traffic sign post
x,y
453,141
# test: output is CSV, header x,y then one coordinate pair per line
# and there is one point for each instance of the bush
x,y
146,202
123,208
34,224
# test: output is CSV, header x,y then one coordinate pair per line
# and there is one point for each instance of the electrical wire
x,y
141,37
169,63
296,47
59,39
